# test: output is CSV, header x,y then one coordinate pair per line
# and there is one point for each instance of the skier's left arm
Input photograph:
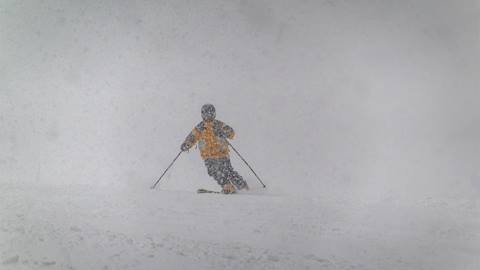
x,y
226,131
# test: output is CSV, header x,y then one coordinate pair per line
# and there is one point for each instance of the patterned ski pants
x,y
222,171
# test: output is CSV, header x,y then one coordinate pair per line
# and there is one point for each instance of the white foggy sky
x,y
361,96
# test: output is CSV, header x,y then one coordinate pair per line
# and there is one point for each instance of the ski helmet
x,y
208,112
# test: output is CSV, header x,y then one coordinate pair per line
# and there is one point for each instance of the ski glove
x,y
223,131
220,133
189,142
184,147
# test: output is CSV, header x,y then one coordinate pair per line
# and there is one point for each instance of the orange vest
x,y
211,146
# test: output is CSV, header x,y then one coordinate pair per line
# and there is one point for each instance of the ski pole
x,y
154,185
246,163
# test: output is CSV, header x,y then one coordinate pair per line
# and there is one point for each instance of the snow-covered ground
x,y
362,118
86,228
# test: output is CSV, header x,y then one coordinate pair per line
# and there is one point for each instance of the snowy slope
x,y
84,228
360,116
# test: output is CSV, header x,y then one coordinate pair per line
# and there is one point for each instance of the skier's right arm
x,y
191,140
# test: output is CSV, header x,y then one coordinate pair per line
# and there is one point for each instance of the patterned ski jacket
x,y
211,137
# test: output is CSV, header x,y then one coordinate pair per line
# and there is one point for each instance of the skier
x,y
211,135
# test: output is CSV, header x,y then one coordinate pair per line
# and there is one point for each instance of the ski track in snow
x,y
83,228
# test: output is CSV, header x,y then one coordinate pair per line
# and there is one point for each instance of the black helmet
x,y
208,112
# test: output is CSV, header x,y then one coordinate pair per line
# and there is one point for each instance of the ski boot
x,y
228,189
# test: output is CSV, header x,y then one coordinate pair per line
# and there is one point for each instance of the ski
x,y
202,190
